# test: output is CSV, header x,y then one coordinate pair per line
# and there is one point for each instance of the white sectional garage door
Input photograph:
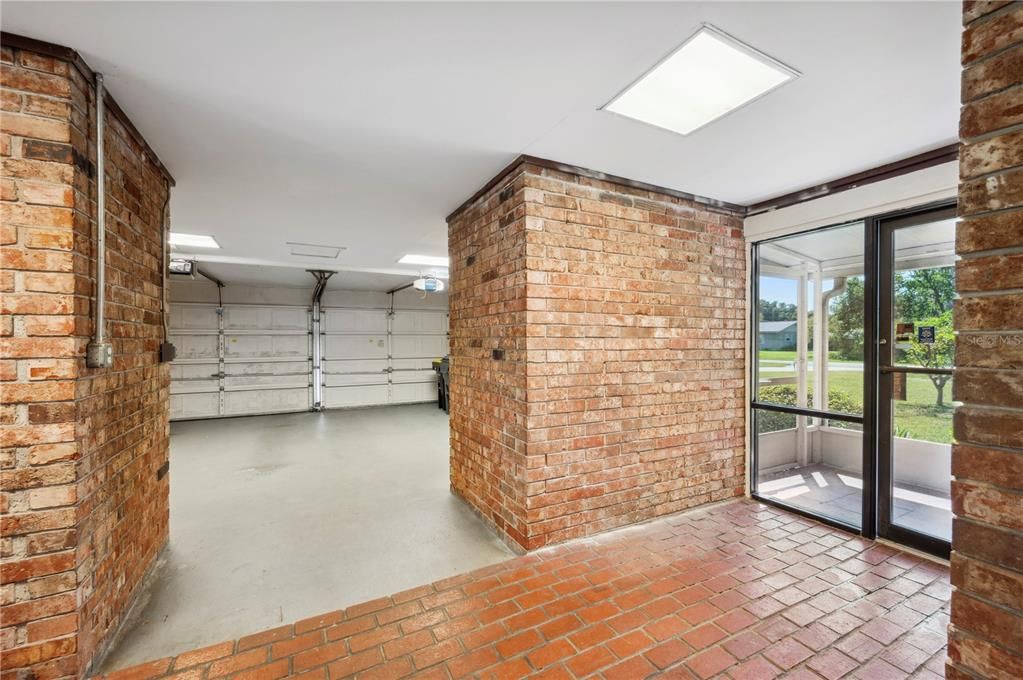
x,y
266,359
195,373
239,360
354,357
255,359
372,357
417,338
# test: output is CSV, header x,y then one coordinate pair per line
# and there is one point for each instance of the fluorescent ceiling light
x,y
428,260
193,240
710,75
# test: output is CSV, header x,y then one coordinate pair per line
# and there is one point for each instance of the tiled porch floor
x,y
736,590
836,493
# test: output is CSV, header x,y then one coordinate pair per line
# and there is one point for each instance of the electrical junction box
x,y
99,355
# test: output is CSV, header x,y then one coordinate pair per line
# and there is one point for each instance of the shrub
x,y
785,395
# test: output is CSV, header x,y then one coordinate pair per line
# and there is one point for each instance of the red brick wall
x,y
84,515
628,399
487,312
986,631
122,426
40,366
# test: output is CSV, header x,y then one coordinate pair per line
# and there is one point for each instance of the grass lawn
x,y
918,417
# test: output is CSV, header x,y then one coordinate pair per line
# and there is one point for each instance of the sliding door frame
x,y
867,519
876,473
885,235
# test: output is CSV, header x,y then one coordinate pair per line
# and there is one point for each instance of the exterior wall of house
x,y
597,354
85,491
986,631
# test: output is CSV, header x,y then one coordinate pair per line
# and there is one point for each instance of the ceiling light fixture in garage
x,y
427,260
710,75
193,240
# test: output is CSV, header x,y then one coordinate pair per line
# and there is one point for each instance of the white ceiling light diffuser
x,y
709,76
193,240
425,260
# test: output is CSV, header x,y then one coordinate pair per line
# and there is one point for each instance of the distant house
x,y
777,334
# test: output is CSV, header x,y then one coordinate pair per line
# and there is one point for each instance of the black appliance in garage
x,y
441,366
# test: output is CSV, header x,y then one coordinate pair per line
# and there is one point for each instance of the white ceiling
x,y
364,125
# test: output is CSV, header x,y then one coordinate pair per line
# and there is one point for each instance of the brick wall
x,y
487,319
84,512
986,631
40,366
620,312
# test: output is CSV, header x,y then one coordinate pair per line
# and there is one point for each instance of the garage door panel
x,y
271,374
249,402
409,346
195,346
194,405
408,321
357,395
250,346
355,347
420,364
414,376
413,392
194,317
193,371
337,320
358,372
254,318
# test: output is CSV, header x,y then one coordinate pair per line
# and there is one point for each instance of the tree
x,y
924,293
775,310
939,354
845,320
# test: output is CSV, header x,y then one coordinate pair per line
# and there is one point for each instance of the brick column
x,y
597,352
986,631
83,451
39,366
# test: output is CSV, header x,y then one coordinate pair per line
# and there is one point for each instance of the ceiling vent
x,y
315,250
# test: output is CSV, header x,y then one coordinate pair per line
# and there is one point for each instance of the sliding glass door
x,y
853,350
809,372
916,351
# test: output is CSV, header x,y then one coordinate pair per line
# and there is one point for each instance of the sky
x,y
779,290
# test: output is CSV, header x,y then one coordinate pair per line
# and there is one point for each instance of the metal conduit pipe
x,y
99,353
321,286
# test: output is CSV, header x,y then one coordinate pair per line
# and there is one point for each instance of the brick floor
x,y
736,590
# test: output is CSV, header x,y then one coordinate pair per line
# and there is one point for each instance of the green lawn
x,y
918,417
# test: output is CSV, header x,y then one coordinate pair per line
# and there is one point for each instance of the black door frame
x,y
876,420
867,519
885,229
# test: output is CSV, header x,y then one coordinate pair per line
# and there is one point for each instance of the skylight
x,y
193,240
426,260
710,75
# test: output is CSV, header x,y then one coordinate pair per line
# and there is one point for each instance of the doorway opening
x,y
854,348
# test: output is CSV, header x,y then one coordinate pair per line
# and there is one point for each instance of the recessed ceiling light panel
x,y
426,260
710,75
193,240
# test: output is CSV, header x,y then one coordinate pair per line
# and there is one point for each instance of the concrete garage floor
x,y
278,518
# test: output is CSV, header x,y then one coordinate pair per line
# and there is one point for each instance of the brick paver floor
x,y
736,590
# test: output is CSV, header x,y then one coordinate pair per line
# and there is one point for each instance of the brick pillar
x,y
597,352
84,494
40,366
986,631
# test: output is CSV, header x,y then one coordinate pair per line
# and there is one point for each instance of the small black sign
x,y
925,335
